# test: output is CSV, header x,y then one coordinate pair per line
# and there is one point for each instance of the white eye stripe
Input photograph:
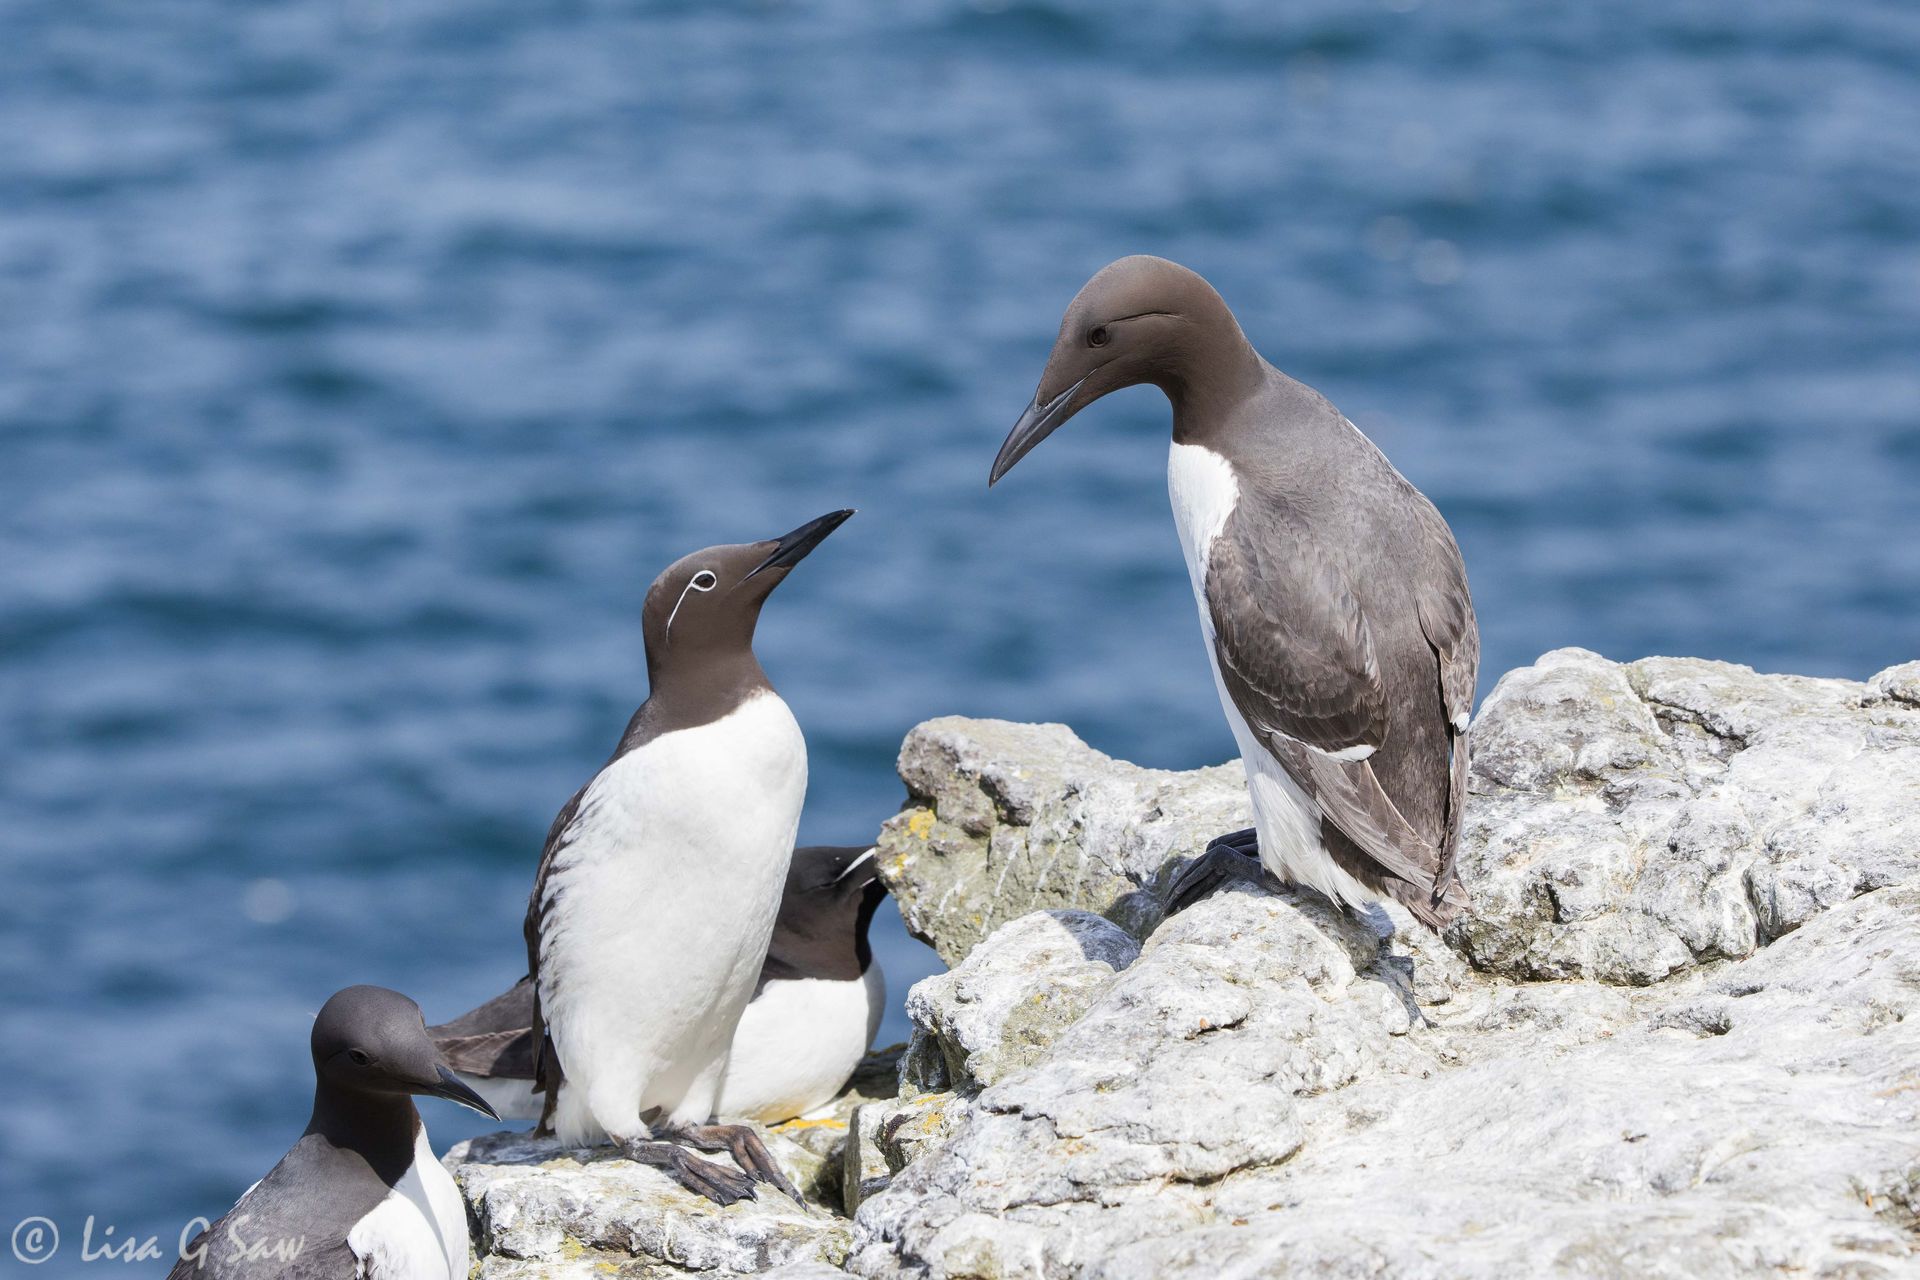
x,y
703,582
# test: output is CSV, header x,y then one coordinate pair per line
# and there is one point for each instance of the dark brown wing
x,y
547,1071
1297,658
1447,620
493,1040
1287,628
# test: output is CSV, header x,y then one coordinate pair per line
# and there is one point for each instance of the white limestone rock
x,y
1676,1035
1002,819
1632,822
1011,998
1719,871
544,1210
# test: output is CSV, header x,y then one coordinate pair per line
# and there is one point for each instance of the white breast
x,y
798,1042
419,1232
662,905
1203,491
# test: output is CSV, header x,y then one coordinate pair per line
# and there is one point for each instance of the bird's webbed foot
x,y
1234,856
744,1145
716,1182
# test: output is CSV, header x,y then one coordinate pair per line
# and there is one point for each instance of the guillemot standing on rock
x,y
1332,595
360,1194
661,878
812,1017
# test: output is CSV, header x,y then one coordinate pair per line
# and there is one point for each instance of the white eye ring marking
x,y
703,582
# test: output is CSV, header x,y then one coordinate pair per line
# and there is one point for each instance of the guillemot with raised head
x,y
660,880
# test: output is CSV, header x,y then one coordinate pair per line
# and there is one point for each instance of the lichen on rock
x,y
1675,1035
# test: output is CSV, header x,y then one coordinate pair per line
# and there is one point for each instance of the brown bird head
x,y
372,1041
707,603
1141,319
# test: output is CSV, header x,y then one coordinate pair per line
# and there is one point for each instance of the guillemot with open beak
x,y
812,1017
360,1194
1332,595
660,880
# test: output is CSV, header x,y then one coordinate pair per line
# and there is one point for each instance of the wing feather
x,y
1447,620
1297,658
548,1072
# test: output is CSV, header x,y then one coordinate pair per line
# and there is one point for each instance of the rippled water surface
x,y
361,363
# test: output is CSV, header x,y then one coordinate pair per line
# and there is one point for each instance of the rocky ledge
x,y
1678,1033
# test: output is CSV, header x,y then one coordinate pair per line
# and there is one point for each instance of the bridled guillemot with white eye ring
x,y
661,878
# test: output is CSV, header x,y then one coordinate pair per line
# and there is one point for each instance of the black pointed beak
x,y
454,1089
793,548
1035,425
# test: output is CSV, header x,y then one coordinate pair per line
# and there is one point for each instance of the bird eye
x,y
705,580
1099,336
360,1057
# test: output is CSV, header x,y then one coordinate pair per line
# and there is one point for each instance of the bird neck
x,y
1210,372
863,919
692,687
381,1128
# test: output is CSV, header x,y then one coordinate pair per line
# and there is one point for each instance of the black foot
x,y
1246,840
717,1183
1234,856
744,1145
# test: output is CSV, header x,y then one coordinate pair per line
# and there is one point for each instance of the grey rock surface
x,y
887,1136
1002,1006
1632,822
1719,870
543,1210
1676,1035
1002,819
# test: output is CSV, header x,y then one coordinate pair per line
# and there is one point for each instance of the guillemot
x,y
814,1013
1332,595
360,1194
660,880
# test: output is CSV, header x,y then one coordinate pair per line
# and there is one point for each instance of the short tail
x,y
1435,907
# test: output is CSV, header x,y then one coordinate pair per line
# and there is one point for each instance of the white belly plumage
x,y
419,1232
1203,491
798,1042
662,904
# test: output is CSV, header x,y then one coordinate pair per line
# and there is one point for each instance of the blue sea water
x,y
362,361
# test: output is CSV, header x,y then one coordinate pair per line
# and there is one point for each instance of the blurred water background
x,y
360,363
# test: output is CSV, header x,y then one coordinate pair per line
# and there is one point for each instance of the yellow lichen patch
x,y
824,1122
571,1248
920,823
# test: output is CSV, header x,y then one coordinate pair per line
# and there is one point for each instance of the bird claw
x,y
716,1182
1234,856
748,1151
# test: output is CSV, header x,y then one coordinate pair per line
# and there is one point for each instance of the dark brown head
x,y
704,607
1139,320
832,892
372,1041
